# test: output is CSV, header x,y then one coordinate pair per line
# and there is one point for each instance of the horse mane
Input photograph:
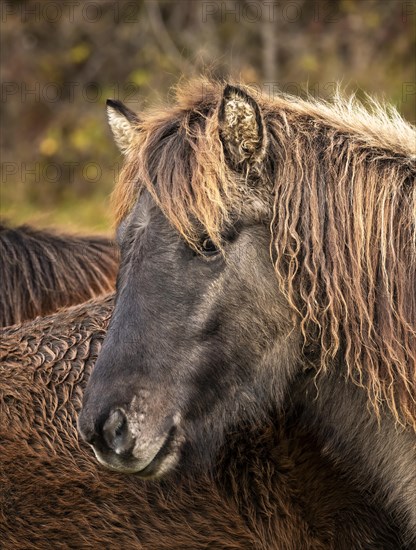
x,y
42,271
341,180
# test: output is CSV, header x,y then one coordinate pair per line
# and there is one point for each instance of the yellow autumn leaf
x,y
48,146
80,53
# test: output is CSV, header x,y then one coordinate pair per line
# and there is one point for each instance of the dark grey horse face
x,y
197,343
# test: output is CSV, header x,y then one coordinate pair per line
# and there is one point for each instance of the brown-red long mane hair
x,y
42,271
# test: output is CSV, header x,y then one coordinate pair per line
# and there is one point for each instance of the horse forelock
x,y
177,156
342,213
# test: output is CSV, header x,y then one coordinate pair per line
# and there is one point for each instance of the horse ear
x,y
122,123
242,128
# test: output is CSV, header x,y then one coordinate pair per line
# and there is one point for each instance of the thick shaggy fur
x,y
41,271
338,183
270,487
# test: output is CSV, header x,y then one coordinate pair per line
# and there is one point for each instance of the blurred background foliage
x,y
61,60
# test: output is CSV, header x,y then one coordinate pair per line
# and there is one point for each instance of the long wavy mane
x,y
342,212
42,271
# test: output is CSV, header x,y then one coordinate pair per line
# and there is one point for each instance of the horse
x,y
42,271
268,257
270,487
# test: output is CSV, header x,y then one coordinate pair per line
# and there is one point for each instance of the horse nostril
x,y
116,432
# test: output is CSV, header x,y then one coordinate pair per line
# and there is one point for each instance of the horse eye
x,y
208,248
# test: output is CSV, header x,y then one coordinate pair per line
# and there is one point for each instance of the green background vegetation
x,y
60,61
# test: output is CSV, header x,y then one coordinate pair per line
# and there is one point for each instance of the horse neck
x,y
291,496
377,454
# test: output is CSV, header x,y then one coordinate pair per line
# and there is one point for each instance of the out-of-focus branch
x,y
164,40
269,43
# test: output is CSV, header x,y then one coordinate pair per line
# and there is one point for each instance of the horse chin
x,y
165,460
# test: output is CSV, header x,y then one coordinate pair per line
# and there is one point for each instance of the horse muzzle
x,y
123,441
